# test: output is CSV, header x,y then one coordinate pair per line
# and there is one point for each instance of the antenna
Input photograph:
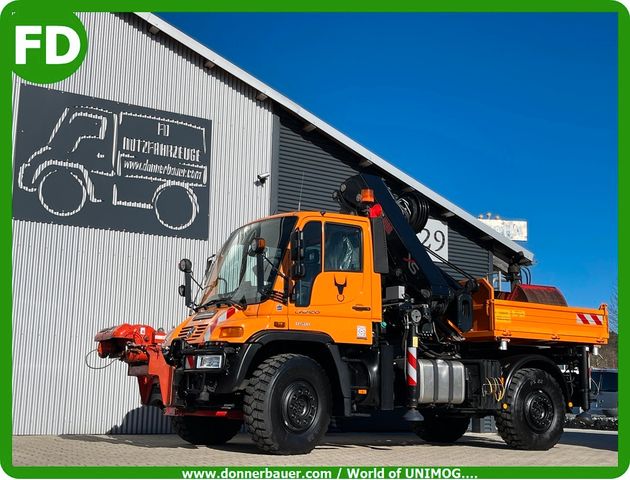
x,y
300,199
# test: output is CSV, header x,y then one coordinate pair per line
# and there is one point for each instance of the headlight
x,y
210,361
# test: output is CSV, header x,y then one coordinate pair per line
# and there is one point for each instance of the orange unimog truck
x,y
307,315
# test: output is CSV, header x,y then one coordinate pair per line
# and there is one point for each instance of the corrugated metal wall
x,y
69,282
467,254
316,166
309,164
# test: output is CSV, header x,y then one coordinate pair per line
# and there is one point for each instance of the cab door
x,y
334,294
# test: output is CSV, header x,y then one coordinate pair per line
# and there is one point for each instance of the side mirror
x,y
185,265
256,247
185,290
297,245
298,270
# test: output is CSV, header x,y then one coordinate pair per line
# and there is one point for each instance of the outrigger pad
x,y
413,415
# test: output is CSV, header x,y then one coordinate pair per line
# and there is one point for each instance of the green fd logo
x,y
24,41
47,46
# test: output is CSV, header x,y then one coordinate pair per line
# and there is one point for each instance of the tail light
x,y
375,211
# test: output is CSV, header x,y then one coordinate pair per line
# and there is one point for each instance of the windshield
x,y
233,273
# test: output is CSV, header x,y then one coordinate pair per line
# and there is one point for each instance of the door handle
x,y
361,308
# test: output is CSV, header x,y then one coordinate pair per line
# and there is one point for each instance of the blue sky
x,y
515,114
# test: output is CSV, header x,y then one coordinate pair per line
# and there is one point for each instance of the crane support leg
x,y
585,379
412,415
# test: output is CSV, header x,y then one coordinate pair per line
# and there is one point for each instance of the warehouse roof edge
x,y
500,242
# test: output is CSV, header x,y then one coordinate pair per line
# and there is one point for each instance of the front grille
x,y
183,333
192,333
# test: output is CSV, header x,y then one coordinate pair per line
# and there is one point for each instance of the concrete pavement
x,y
577,447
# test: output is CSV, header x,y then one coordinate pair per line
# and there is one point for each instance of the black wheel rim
x,y
539,411
299,406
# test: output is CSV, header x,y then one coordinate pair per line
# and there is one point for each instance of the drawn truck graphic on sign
x,y
128,159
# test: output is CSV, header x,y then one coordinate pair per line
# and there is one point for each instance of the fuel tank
x,y
441,381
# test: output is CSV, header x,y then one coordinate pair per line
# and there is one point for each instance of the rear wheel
x,y
534,419
436,428
287,404
175,206
205,430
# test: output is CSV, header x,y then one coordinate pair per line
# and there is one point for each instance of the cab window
x,y
342,248
312,234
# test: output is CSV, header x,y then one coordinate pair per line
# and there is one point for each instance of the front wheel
x,y
287,404
205,430
62,192
534,419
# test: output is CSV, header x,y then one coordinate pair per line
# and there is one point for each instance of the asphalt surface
x,y
576,447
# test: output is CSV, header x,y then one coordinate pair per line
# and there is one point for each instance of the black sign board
x,y
91,162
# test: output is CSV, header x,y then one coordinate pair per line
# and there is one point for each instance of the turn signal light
x,y
231,332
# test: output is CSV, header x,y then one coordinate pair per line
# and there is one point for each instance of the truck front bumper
x,y
209,374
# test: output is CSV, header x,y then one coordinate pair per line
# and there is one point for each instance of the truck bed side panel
x,y
524,321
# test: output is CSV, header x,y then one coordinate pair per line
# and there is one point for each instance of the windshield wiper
x,y
223,301
274,268
275,295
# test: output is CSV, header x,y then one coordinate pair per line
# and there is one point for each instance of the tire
x,y
534,419
287,404
436,428
62,192
175,206
205,430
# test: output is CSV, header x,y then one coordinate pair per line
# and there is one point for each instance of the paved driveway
x,y
577,447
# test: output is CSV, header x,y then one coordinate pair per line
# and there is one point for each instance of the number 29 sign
x,y
434,236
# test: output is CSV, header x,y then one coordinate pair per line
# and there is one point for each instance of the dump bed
x,y
523,322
